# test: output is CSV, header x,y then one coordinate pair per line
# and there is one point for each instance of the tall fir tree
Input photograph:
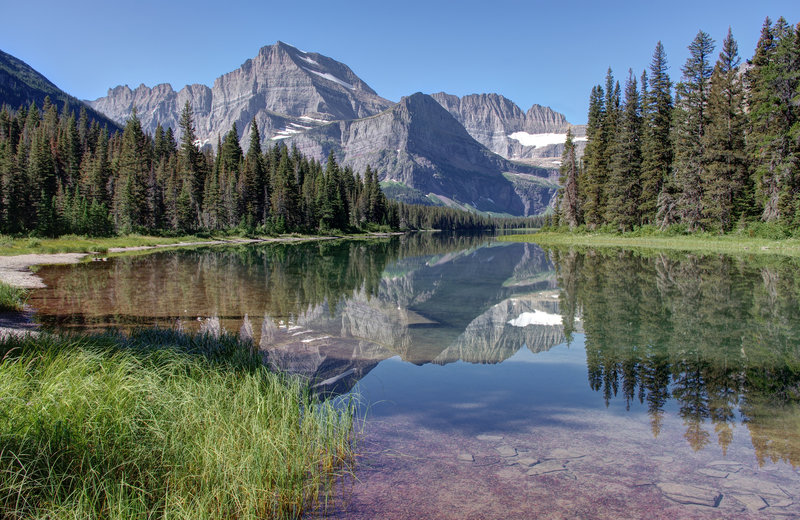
x,y
191,164
591,184
130,198
656,144
691,122
569,203
253,181
726,195
772,90
624,183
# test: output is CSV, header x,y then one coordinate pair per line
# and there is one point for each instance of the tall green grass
x,y
161,425
12,298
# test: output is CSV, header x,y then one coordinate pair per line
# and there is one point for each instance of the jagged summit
x,y
285,89
499,124
424,155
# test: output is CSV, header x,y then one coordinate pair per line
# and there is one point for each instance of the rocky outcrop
x,y
500,125
423,152
285,89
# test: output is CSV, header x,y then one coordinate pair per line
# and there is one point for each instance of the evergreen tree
x,y
569,204
691,122
656,144
131,210
773,85
253,185
191,164
591,184
624,185
726,194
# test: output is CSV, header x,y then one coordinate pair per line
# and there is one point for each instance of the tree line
x,y
65,175
722,150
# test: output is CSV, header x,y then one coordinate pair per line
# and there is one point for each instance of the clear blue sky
x,y
549,53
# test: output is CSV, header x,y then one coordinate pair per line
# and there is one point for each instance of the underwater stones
x,y
750,501
714,473
688,494
548,466
506,451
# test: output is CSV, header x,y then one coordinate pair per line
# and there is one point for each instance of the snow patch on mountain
x,y
308,60
331,77
538,140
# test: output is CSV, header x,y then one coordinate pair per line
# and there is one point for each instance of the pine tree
x,y
773,84
624,185
592,183
726,194
131,210
191,164
569,204
656,145
253,183
691,122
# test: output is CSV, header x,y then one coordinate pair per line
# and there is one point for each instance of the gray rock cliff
x,y
423,155
492,119
285,89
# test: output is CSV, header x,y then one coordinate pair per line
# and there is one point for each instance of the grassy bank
x,y
81,244
160,425
706,243
12,298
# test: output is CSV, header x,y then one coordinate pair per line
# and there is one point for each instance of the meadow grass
x,y
161,425
82,244
701,243
12,298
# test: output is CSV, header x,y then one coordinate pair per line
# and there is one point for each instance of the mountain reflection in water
x,y
716,336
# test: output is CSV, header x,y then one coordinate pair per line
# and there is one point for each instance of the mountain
x,y
536,136
424,155
21,84
285,89
426,150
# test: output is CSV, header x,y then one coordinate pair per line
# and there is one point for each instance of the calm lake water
x,y
500,380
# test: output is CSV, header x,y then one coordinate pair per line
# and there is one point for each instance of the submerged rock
x,y
688,494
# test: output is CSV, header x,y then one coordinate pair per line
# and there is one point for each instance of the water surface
x,y
500,380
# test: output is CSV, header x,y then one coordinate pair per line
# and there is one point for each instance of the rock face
x,y
424,155
285,89
501,126
21,84
440,150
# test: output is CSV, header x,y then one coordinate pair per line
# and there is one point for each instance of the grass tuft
x,y
161,425
12,298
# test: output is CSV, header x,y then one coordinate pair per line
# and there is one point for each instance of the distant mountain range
x,y
20,85
480,152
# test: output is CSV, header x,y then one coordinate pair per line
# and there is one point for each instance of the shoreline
x,y
15,270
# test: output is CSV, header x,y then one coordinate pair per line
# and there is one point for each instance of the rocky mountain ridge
x,y
285,89
501,126
470,152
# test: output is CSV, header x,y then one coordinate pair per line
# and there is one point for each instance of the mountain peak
x,y
285,89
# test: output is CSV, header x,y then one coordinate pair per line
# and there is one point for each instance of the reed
x,y
161,425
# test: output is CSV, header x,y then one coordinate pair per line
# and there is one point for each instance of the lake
x,y
500,380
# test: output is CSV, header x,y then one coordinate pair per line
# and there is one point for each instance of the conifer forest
x,y
67,175
720,149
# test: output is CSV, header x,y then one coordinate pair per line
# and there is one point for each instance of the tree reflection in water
x,y
719,335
